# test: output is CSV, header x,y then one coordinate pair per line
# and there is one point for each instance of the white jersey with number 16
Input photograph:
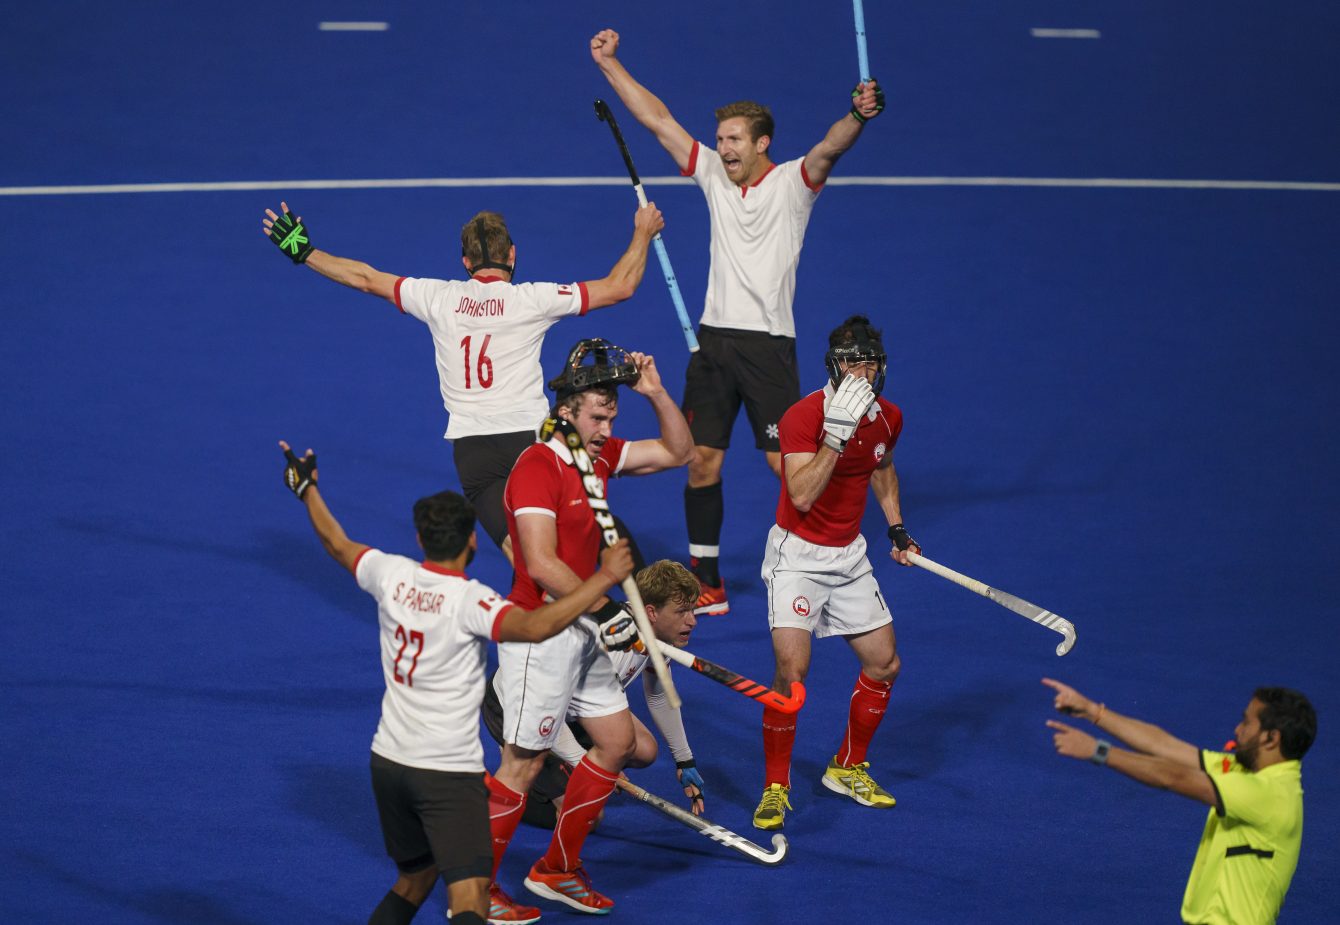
x,y
487,335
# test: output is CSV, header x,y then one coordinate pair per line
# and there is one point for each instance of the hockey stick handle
x,y
658,664
604,114
703,827
1008,601
862,59
738,683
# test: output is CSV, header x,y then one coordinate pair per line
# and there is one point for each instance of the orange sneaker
x,y
504,910
570,887
711,600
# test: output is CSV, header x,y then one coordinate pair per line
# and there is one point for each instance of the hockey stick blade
x,y
738,683
1016,604
717,833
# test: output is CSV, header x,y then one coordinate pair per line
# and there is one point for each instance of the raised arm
x,y
645,106
1139,735
292,237
300,477
867,102
674,447
624,278
807,475
616,564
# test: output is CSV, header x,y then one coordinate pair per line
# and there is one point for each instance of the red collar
x,y
771,168
487,279
437,569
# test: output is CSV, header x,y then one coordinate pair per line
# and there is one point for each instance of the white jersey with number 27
x,y
487,335
435,629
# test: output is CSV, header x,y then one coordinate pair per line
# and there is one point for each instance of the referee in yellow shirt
x,y
1249,848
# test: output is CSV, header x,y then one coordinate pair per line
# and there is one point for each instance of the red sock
x,y
779,735
505,809
869,700
588,788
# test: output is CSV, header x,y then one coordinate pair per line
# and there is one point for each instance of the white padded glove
x,y
848,406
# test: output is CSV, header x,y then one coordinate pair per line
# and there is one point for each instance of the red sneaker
x,y
570,887
711,600
504,910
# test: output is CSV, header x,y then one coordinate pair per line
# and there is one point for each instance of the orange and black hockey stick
x,y
738,683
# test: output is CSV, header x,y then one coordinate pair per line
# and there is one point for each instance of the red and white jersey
x,y
757,233
435,629
544,481
487,335
835,517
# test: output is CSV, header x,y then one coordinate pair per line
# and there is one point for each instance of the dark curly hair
x,y
444,522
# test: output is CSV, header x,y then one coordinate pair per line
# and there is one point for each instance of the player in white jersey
x,y
669,592
487,332
759,210
435,626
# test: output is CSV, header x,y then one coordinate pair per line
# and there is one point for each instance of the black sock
x,y
394,909
704,511
466,918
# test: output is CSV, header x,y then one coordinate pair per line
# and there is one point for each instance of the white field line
x,y
353,26
499,182
1065,33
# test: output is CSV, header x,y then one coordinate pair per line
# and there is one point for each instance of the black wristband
x,y
901,538
608,610
690,763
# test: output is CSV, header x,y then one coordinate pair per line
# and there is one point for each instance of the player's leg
x,y
453,808
600,705
770,384
711,403
645,747
862,618
483,464
406,844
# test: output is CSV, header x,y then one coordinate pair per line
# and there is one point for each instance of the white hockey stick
x,y
1008,601
703,827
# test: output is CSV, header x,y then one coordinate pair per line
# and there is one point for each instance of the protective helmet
x,y
594,362
856,341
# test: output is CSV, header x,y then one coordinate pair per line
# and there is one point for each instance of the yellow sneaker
x,y
856,783
771,812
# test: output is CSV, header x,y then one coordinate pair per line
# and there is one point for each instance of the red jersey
x,y
835,517
544,481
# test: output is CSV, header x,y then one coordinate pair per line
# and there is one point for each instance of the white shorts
x,y
543,684
825,590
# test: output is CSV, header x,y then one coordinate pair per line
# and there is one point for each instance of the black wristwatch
x,y
1100,750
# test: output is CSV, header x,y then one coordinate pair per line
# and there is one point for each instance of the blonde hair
x,y
757,116
666,581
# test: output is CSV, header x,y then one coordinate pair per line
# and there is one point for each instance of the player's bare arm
x,y
538,535
675,445
301,475
352,273
616,564
626,275
807,475
843,133
884,484
645,106
1152,771
1139,735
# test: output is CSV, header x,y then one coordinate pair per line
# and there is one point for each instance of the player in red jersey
x,y
556,542
835,443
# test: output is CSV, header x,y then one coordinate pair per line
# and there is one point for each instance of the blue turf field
x,y
1120,404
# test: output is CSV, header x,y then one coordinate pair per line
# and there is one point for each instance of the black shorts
x,y
731,367
552,780
483,464
434,818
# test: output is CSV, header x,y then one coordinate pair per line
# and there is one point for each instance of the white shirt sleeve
x,y
555,300
482,609
416,296
667,718
371,569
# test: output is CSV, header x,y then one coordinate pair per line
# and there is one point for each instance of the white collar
x,y
560,448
